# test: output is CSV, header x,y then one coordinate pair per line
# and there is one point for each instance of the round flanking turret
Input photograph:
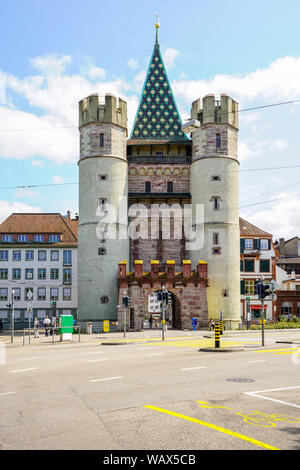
x,y
103,196
214,184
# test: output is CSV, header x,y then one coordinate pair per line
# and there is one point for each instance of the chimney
x,y
69,215
281,247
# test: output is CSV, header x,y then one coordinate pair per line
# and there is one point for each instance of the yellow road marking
x,y
216,428
279,350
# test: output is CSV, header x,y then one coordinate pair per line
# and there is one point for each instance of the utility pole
x,y
12,315
125,302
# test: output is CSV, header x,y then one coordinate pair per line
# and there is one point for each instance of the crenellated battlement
x,y
216,111
111,111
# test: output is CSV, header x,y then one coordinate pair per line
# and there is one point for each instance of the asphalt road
x,y
152,395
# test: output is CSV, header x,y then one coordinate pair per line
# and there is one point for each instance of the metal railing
x,y
51,331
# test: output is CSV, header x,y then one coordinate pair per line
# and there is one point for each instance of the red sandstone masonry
x,y
189,291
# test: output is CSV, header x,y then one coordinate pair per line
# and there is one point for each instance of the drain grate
x,y
240,379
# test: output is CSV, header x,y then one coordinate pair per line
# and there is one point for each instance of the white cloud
x,y
7,208
37,163
279,217
133,63
51,64
57,179
281,80
26,193
169,57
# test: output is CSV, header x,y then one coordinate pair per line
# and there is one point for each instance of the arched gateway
x,y
188,292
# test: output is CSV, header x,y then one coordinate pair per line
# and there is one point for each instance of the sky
x,y
54,53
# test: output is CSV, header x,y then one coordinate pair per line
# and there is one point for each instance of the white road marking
x,y
256,395
6,393
27,358
24,370
194,368
99,360
155,354
262,360
93,352
108,378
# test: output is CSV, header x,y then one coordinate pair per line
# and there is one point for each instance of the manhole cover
x,y
240,379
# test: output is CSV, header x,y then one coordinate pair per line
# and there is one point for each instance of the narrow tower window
x,y
170,186
215,239
216,202
103,204
148,186
218,140
216,178
101,139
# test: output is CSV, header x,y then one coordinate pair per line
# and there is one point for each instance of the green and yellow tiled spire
x,y
157,116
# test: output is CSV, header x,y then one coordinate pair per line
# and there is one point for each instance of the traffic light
x,y
265,290
159,296
257,288
125,301
165,297
129,301
169,298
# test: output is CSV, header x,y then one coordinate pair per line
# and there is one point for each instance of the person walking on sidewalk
x,y
46,323
150,321
36,327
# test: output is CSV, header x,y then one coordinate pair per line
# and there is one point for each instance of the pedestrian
x,y
150,321
55,327
194,323
211,325
36,327
1,325
46,324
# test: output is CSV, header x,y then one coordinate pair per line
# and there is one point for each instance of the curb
x,y
221,349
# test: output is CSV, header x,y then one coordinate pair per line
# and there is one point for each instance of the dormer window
x,y
22,238
54,237
7,238
38,238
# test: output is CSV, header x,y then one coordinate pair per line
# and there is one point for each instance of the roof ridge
x,y
241,220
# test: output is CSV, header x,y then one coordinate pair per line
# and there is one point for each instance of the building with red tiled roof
x,y
258,258
38,259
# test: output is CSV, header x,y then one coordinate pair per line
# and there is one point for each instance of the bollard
x,y
217,335
221,327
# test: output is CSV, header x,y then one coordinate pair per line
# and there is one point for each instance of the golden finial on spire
x,y
157,25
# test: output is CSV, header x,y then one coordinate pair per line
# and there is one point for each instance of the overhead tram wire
x,y
254,108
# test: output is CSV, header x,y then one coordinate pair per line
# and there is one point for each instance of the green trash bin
x,y
65,328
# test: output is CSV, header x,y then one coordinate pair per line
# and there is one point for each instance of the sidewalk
x,y
131,337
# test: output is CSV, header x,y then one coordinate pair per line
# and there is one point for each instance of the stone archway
x,y
176,322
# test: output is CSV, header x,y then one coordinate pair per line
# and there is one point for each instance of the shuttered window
x,y
264,265
249,265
